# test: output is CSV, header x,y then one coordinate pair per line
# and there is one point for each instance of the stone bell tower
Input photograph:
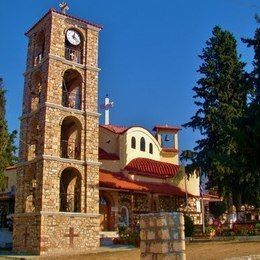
x,y
58,172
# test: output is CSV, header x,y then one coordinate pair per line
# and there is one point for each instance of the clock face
x,y
73,37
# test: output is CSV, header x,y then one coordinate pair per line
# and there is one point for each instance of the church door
x,y
104,211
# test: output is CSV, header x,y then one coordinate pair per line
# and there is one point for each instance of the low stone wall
x,y
56,232
27,233
162,236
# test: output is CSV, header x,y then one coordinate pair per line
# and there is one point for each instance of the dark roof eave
x,y
149,174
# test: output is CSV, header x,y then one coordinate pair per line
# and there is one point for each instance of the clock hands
x,y
74,37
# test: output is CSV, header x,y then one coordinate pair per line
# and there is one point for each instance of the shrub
x,y
227,232
244,229
189,226
128,236
257,225
217,208
210,229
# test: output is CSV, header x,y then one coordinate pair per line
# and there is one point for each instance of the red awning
x,y
120,182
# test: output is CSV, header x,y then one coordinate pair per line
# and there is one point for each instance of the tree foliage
x,y
221,99
217,208
249,134
7,147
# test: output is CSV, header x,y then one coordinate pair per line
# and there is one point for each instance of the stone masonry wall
x,y
68,232
162,236
26,233
55,233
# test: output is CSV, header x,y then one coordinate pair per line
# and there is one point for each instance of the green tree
x,y
221,98
249,134
7,147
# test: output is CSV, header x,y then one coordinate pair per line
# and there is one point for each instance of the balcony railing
x,y
70,149
71,99
73,55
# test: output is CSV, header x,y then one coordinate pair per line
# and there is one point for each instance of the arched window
x,y
124,216
70,138
142,144
39,46
33,139
70,190
151,148
71,89
30,188
133,142
36,91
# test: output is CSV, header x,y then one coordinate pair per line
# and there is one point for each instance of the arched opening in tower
x,y
35,91
70,190
70,138
39,46
71,89
29,192
33,136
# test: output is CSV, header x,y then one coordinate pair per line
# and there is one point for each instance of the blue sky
x,y
148,53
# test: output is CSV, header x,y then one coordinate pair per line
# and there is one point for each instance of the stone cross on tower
x,y
64,7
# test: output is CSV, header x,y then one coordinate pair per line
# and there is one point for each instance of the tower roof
x,y
67,15
166,128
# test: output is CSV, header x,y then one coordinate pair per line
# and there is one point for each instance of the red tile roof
x,y
115,129
152,168
119,181
104,155
166,127
67,15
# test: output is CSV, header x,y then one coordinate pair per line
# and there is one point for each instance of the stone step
x,y
106,237
106,241
108,234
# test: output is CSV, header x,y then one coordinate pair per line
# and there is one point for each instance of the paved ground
x,y
195,251
222,250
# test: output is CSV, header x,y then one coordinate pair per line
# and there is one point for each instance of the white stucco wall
x,y
138,133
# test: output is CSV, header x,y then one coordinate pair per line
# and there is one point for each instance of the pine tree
x,y
7,148
221,95
249,134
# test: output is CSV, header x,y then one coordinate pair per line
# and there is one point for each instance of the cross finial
x,y
64,7
107,105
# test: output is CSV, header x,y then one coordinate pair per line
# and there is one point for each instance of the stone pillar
x,y
162,236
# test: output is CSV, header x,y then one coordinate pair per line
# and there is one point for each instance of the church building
x,y
76,178
140,174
